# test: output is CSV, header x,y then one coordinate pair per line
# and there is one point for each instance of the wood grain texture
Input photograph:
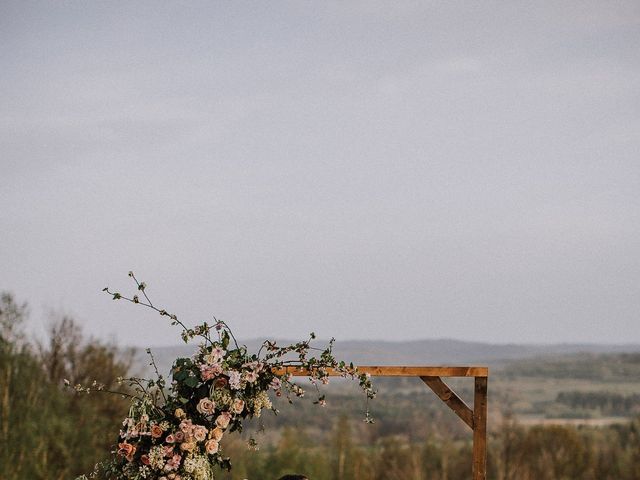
x,y
403,371
480,429
451,399
476,419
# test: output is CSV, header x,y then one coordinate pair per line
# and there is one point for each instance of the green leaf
x,y
191,382
225,339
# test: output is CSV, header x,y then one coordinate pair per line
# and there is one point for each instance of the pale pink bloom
x,y
167,451
223,420
251,377
211,447
209,372
206,406
276,384
186,426
173,463
200,433
238,406
179,437
234,380
170,438
217,353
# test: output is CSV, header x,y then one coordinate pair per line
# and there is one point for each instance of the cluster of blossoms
x,y
176,433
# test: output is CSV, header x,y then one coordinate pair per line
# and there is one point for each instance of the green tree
x,y
46,431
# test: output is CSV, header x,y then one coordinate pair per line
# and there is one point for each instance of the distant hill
x,y
538,382
425,352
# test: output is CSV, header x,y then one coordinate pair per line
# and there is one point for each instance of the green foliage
x,y
176,433
587,366
515,453
603,403
46,432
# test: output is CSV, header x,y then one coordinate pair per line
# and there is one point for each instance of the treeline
x,y
610,367
515,453
49,433
601,403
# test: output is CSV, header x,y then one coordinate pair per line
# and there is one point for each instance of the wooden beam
x,y
398,371
480,429
448,396
476,419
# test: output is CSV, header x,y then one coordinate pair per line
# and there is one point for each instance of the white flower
x,y
156,457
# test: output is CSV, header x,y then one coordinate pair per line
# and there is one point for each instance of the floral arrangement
x,y
175,433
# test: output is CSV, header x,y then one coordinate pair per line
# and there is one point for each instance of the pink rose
x,y
223,420
206,406
200,433
126,450
211,447
238,406
186,426
188,446
170,438
216,434
156,431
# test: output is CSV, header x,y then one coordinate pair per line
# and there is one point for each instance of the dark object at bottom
x,y
293,477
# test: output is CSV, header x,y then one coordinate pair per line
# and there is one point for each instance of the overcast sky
x,y
367,170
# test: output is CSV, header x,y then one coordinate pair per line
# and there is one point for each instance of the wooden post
x,y
480,429
476,420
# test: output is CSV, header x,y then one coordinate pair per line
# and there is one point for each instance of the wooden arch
x,y
475,418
